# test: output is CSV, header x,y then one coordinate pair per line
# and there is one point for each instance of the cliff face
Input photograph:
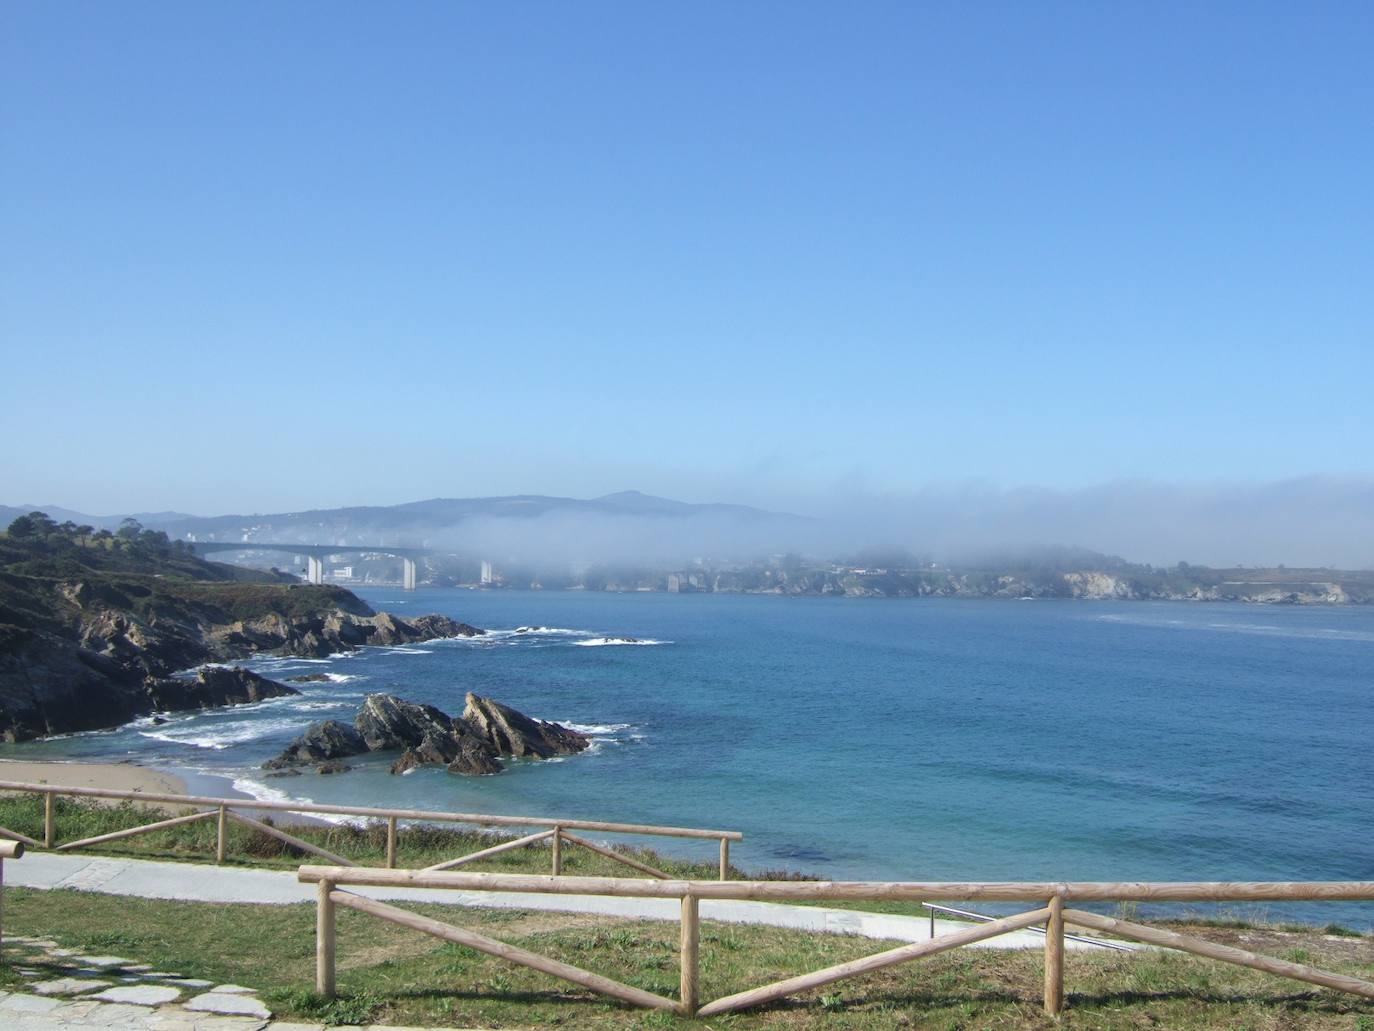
x,y
98,651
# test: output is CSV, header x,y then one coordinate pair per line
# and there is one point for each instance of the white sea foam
x,y
320,706
539,631
218,735
593,729
604,642
266,793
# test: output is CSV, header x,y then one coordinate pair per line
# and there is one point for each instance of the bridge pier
x,y
314,569
409,573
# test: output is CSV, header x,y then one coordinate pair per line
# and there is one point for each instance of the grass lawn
x,y
392,975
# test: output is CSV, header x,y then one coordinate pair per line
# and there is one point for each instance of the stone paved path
x,y
69,990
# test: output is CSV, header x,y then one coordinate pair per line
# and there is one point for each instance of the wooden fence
x,y
224,810
1050,901
8,850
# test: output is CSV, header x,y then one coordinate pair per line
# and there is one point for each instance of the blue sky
x,y
264,256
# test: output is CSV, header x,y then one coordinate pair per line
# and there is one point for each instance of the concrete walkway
x,y
200,883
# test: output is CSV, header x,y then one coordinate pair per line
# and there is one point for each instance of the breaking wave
x,y
539,631
593,729
218,735
605,642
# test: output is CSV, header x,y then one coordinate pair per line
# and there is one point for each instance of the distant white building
x,y
487,576
342,573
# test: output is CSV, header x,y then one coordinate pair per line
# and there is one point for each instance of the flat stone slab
x,y
73,1012
180,1020
229,1005
116,1014
21,1003
69,986
102,961
232,989
189,982
139,994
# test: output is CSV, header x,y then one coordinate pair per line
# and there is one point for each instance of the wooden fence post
x,y
1054,958
49,820
13,849
324,940
691,940
391,842
221,834
557,851
724,859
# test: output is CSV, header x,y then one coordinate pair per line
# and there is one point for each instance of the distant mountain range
x,y
417,521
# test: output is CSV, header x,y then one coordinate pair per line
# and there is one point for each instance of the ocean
x,y
914,739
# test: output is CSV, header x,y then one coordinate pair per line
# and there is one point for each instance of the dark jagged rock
x,y
460,751
426,736
214,686
386,721
309,678
337,631
333,766
474,758
321,742
513,733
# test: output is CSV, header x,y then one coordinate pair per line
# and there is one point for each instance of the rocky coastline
x,y
110,661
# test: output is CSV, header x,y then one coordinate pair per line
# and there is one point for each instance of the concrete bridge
x,y
315,554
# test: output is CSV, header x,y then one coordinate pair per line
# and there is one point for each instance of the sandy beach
x,y
116,776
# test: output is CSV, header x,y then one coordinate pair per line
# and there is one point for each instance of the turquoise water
x,y
922,739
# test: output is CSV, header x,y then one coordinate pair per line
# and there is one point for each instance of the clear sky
x,y
264,256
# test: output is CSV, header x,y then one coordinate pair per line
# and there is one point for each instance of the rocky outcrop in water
x,y
469,744
513,733
322,741
213,686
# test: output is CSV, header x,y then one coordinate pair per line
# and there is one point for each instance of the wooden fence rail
x,y
1049,898
8,850
225,810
